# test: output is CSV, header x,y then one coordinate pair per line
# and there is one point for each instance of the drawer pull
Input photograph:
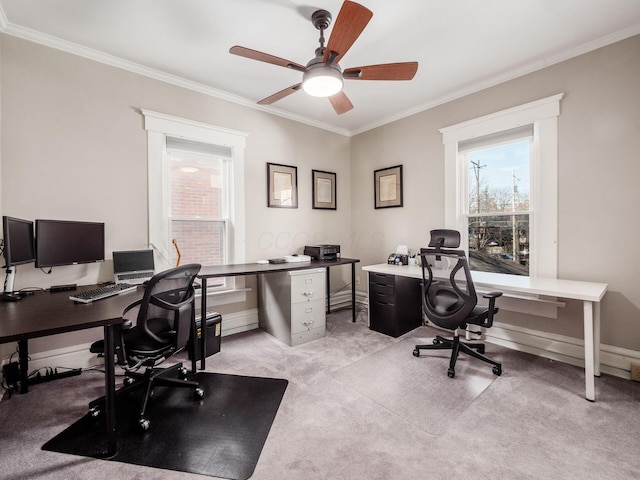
x,y
307,294
308,324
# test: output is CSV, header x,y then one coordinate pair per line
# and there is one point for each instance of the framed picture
x,y
387,184
282,186
324,189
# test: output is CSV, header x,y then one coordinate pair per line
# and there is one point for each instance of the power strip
x,y
54,376
62,288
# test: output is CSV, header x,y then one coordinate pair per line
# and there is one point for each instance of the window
x,y
501,188
497,210
199,185
196,193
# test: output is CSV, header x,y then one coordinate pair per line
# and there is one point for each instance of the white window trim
x,y
543,114
159,126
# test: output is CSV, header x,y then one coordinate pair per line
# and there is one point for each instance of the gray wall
x,y
598,177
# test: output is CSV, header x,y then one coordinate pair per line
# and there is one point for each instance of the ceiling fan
x,y
322,76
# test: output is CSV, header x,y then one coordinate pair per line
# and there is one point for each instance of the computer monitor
x,y
62,242
18,241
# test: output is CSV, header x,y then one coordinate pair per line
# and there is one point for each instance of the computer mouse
x,y
10,297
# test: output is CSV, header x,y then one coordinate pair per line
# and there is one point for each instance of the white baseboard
x,y
613,360
79,356
239,322
343,299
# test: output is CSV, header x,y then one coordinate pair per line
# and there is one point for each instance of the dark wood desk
x,y
260,268
44,314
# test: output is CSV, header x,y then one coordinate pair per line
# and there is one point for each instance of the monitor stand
x,y
9,279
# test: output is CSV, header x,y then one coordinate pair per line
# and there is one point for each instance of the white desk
x,y
589,292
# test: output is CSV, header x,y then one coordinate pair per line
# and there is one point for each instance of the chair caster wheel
x,y
144,424
436,341
94,412
497,370
128,381
451,373
198,393
416,352
183,372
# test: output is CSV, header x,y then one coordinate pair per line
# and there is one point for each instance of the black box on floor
x,y
213,333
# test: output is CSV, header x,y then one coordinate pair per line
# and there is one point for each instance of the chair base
x,y
473,349
151,378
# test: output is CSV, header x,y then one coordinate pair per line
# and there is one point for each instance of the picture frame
x,y
282,186
323,190
387,184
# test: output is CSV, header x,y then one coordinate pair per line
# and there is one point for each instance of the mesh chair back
x,y
167,307
448,293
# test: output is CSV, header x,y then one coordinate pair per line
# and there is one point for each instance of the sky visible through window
x,y
499,164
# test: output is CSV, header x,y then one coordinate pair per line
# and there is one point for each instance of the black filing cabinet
x,y
395,305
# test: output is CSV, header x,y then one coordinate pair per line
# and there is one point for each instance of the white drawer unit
x,y
292,305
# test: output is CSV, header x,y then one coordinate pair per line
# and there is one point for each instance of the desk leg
x,y
23,359
328,292
109,391
596,337
203,323
353,292
589,358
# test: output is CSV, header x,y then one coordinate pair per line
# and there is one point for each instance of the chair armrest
x,y
490,295
491,309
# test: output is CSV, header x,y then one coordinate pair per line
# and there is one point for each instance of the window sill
x,y
225,297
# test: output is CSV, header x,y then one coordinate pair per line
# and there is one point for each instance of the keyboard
x,y
99,293
133,276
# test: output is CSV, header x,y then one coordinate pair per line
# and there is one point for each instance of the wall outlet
x,y
635,372
358,280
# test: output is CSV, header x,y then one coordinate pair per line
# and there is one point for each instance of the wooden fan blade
x,y
341,103
280,95
387,71
265,57
350,23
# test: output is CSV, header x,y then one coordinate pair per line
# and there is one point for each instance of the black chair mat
x,y
220,436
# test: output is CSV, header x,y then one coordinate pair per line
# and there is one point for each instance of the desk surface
x,y
45,313
257,268
554,287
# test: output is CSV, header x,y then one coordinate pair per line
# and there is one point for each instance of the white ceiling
x,y
462,46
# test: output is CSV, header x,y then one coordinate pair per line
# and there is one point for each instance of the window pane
x,y
199,241
498,179
198,208
196,185
499,243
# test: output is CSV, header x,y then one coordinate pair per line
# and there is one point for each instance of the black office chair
x,y
449,298
163,328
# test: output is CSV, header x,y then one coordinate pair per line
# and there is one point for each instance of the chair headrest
x,y
445,238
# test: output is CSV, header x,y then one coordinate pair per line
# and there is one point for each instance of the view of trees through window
x,y
498,212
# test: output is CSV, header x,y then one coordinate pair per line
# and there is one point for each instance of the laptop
x,y
133,267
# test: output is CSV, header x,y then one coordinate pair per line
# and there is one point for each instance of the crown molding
x,y
101,57
98,56
509,75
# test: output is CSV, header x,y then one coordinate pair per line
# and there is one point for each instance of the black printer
x,y
322,252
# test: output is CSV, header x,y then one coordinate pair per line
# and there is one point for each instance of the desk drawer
x,y
378,290
382,279
307,336
308,285
307,316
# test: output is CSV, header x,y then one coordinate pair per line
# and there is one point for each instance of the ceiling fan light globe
x,y
322,81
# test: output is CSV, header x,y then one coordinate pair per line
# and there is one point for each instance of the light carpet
x,y
418,388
